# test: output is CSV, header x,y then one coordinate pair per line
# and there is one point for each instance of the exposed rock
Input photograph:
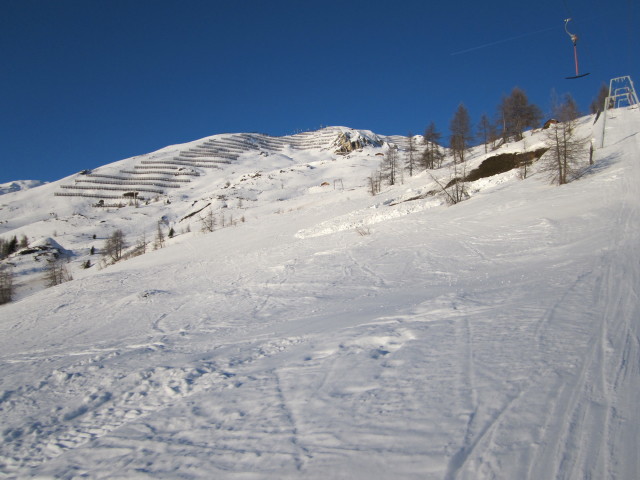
x,y
350,141
503,163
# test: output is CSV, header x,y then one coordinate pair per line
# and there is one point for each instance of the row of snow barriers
x,y
156,177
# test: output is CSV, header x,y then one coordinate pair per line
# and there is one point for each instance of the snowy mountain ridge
x,y
229,174
18,185
326,332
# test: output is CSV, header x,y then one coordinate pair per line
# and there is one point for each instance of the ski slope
x,y
495,339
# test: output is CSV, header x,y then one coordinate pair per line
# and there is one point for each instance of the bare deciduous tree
x,y
142,243
6,284
410,162
487,132
566,149
598,103
461,138
432,156
461,134
389,167
517,114
56,272
159,240
375,183
114,246
208,221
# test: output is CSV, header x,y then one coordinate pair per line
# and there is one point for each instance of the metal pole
x,y
604,119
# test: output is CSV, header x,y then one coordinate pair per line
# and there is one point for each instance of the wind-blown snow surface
x,y
498,338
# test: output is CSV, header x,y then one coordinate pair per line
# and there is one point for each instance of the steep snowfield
x,y
498,338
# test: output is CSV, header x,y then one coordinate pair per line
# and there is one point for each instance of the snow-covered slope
x,y
333,334
19,185
234,177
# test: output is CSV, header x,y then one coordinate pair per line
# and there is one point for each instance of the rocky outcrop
x,y
350,141
503,163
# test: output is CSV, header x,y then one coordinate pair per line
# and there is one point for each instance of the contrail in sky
x,y
504,40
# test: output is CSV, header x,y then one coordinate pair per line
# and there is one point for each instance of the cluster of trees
x,y
209,222
566,148
116,246
514,115
56,271
7,247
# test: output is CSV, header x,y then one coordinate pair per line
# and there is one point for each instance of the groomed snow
x,y
495,339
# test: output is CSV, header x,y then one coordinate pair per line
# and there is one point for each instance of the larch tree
x,y
7,247
159,240
486,132
432,155
461,134
566,148
410,160
141,246
6,284
390,166
56,272
598,103
114,246
208,221
517,114
375,183
460,143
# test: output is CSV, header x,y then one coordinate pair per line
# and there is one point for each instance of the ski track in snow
x,y
498,338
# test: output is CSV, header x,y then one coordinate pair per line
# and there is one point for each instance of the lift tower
x,y
621,94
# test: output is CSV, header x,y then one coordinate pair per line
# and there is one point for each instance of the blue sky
x,y
85,83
